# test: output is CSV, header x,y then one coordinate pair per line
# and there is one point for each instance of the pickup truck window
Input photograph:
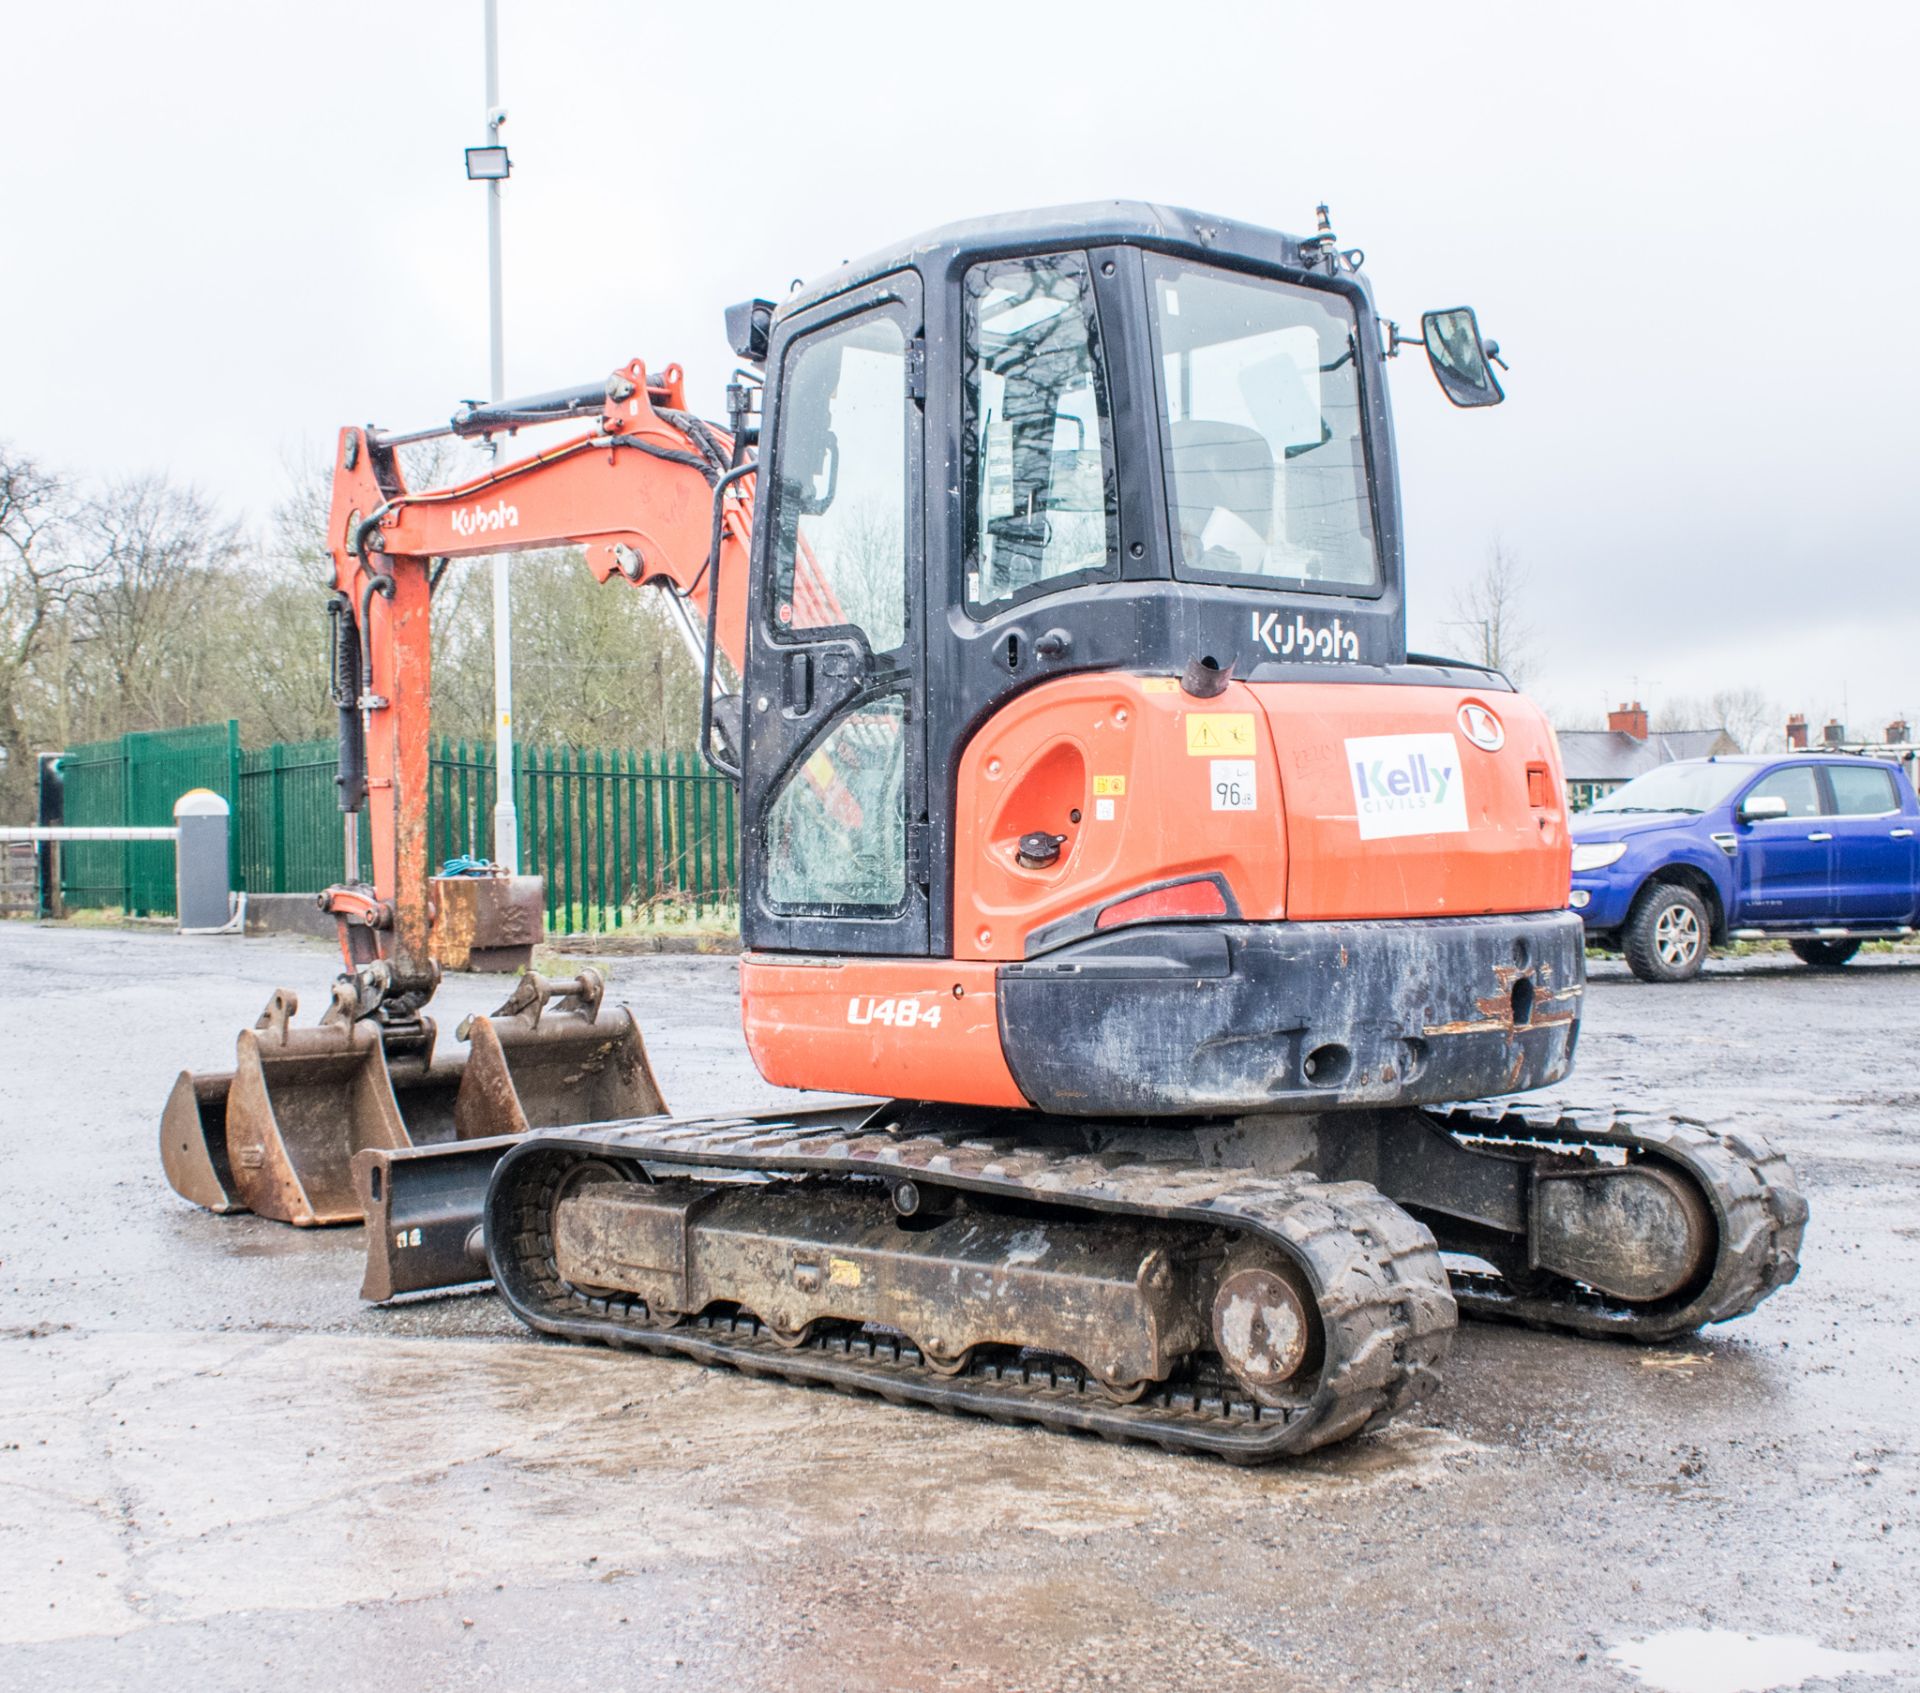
x,y
1798,785
1862,792
1676,787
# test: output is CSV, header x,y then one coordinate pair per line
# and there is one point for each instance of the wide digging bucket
x,y
194,1134
552,1057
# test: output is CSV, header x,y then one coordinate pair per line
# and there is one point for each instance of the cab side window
x,y
1862,791
1040,499
1798,785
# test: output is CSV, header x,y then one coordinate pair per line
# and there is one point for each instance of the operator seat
x,y
1219,466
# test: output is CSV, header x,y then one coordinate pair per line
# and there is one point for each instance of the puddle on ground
x,y
1716,1660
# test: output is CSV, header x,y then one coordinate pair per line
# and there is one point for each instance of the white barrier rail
x,y
59,833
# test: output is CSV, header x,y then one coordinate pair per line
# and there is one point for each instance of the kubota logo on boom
x,y
477,520
1406,785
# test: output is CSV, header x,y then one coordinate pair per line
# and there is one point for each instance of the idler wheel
x,y
1266,1328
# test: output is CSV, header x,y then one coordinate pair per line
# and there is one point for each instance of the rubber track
x,y
1757,1207
1388,1310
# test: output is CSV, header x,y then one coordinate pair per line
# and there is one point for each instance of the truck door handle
x,y
1820,835
1902,834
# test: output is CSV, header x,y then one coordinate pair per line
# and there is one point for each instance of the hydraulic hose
x,y
342,662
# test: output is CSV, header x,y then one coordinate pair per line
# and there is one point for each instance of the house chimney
x,y
1629,720
1797,732
1897,732
1835,733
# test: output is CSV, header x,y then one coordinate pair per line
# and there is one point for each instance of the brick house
x,y
1599,760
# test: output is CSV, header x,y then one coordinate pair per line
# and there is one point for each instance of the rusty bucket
x,y
551,1057
193,1141
299,1082
303,1102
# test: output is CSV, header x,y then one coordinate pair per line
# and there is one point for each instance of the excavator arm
x,y
652,494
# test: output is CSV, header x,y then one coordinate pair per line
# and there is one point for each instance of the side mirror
x,y
1462,362
1758,808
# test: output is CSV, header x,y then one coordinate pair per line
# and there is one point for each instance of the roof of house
x,y
1608,755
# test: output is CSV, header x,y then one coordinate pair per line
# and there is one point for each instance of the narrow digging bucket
x,y
303,1102
193,1141
550,1058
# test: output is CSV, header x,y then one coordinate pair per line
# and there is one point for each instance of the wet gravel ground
x,y
218,1469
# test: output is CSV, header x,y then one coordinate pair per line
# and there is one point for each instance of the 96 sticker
x,y
1233,785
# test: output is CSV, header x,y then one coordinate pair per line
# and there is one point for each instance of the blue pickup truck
x,y
1815,850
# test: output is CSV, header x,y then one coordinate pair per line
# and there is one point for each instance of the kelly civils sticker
x,y
1406,785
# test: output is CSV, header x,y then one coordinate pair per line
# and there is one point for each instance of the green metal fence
x,y
613,832
135,779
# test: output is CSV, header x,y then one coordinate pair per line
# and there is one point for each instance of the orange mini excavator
x,y
1094,816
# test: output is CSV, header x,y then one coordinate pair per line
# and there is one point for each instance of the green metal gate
x,y
135,779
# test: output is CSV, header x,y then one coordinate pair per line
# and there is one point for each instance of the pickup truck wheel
x,y
1825,955
1666,935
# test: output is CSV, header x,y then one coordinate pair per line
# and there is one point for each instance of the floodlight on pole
x,y
490,164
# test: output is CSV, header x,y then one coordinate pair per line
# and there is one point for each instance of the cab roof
x,y
1093,223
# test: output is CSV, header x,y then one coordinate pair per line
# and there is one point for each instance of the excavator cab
x,y
1076,613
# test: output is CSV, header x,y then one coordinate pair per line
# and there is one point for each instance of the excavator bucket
x,y
303,1102
193,1141
550,1058
277,1133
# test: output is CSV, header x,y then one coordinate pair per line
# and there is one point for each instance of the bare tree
x,y
1490,613
1748,716
1745,713
161,565
38,579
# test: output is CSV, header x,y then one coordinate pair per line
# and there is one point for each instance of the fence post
x,y
276,817
232,797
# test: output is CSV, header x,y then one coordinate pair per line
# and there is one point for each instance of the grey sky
x,y
227,229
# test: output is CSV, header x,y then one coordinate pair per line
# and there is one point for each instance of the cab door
x,y
833,786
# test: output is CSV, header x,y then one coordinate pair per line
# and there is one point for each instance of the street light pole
x,y
506,823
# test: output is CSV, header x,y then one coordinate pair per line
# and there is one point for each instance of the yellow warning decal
x,y
1109,784
1159,685
843,1272
1210,734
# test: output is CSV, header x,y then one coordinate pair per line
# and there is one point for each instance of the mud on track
x,y
216,1464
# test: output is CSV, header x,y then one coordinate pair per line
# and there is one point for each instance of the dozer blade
x,y
550,1059
423,1206
303,1102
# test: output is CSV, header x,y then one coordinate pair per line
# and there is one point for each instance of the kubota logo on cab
x,y
1407,785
